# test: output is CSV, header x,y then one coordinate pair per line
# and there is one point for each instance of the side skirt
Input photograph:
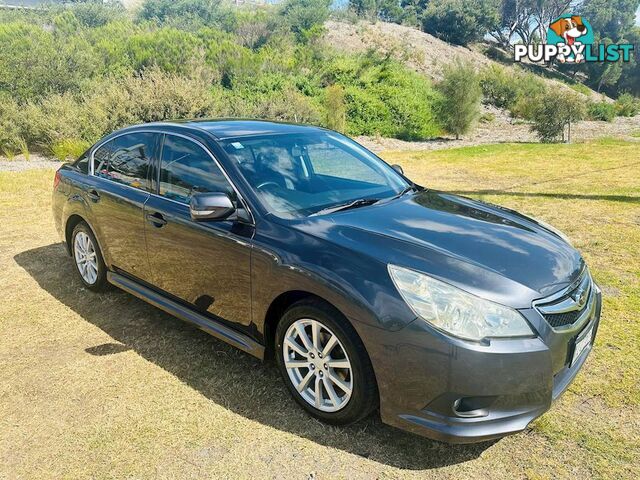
x,y
216,329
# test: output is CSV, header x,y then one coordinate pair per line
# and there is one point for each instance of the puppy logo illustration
x,y
573,32
570,39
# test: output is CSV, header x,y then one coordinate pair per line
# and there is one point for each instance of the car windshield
x,y
298,175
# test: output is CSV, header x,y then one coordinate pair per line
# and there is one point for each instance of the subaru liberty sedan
x,y
460,320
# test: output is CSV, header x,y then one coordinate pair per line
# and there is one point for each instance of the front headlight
x,y
454,311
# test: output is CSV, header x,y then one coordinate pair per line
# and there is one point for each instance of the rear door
x,y
206,263
121,186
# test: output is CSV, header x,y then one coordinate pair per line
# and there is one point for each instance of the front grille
x,y
567,307
562,319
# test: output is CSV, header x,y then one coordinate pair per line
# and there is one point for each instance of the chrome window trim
x,y
186,137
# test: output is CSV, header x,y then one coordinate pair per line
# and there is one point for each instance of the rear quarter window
x,y
127,159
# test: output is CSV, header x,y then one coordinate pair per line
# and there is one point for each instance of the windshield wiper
x,y
360,202
407,189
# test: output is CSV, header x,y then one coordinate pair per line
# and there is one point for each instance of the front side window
x,y
127,159
187,168
297,175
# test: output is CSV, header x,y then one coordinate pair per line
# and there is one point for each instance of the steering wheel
x,y
267,184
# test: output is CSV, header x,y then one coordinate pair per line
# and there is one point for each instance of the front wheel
x,y
324,364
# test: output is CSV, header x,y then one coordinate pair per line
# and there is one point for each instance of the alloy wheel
x,y
86,257
318,365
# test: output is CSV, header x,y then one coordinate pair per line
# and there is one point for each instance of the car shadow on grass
x,y
224,375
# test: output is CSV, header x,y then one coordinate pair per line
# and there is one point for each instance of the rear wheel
x,y
324,364
88,258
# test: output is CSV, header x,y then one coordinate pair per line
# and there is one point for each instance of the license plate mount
x,y
583,340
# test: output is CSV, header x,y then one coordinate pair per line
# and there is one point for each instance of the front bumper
x,y
503,385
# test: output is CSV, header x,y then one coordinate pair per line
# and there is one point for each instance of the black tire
x,y
100,284
364,396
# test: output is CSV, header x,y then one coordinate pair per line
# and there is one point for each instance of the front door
x,y
205,263
117,193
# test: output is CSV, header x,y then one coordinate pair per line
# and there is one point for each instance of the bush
x,y
335,108
603,111
553,111
514,89
459,104
69,149
34,62
384,98
10,131
581,88
188,14
499,86
627,105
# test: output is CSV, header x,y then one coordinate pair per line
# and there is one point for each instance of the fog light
x,y
471,407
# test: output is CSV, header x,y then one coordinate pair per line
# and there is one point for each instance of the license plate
x,y
582,342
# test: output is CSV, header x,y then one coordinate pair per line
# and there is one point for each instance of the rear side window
x,y
127,159
82,163
186,169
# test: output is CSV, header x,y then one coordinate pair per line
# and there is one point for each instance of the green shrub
x,y
511,89
188,14
553,111
24,149
384,98
487,117
335,108
35,62
499,86
581,88
459,104
366,113
604,111
10,131
151,96
627,105
69,148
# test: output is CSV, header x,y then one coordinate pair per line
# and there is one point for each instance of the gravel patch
x,y
504,130
20,164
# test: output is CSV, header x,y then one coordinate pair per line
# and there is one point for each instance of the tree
x,y
610,18
305,18
458,21
385,10
459,105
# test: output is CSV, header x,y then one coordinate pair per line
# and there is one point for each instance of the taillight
x,y
56,179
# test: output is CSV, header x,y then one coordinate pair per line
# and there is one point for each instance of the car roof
x,y
231,128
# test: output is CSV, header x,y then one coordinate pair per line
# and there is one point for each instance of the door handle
x,y
93,195
156,219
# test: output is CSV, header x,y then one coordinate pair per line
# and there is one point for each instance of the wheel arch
x,y
70,224
280,304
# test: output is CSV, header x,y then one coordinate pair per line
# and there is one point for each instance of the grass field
x,y
106,386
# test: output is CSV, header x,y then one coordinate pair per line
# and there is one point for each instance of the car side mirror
x,y
211,206
398,168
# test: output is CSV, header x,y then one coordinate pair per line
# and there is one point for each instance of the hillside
x,y
428,56
420,51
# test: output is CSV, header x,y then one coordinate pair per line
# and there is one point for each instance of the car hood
x,y
487,250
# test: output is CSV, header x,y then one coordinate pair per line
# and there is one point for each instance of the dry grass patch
x,y
106,386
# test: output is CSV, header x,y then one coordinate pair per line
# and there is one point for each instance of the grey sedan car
x,y
457,319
